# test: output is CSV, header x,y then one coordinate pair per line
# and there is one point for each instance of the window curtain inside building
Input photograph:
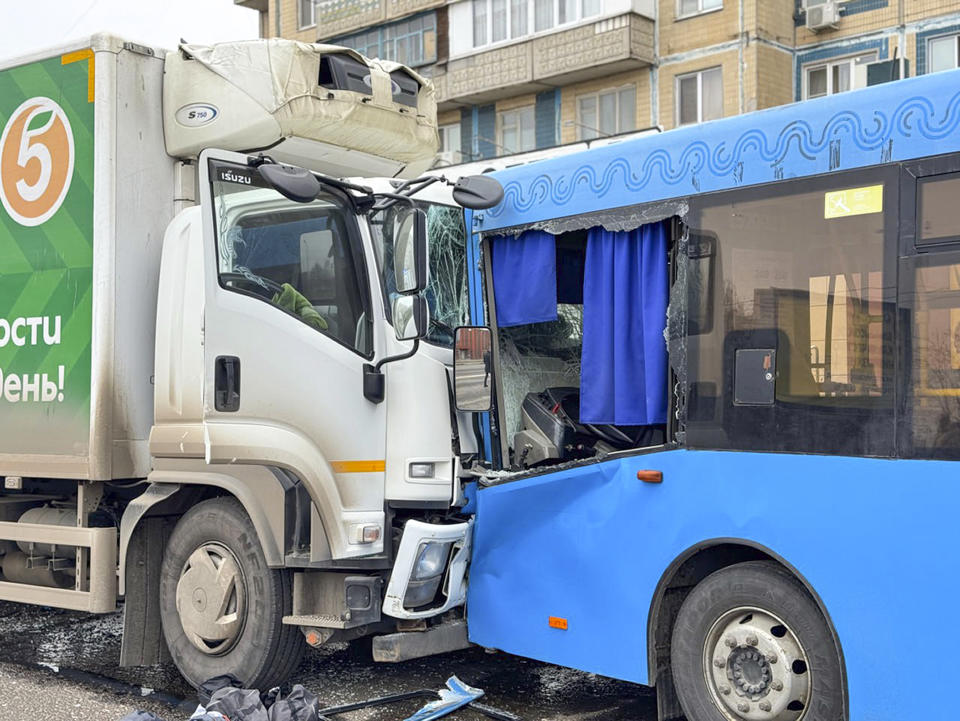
x,y
525,278
623,372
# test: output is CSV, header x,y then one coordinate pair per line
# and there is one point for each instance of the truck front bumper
x,y
416,535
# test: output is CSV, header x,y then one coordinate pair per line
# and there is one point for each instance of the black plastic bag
x,y
299,705
212,685
238,704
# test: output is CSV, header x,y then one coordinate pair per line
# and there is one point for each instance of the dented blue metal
x,y
591,544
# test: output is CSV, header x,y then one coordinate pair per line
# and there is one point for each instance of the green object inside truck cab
x,y
294,301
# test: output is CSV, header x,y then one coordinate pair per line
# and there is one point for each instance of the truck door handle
x,y
227,384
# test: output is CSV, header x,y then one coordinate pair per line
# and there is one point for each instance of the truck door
x,y
289,321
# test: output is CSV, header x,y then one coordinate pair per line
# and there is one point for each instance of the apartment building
x,y
519,75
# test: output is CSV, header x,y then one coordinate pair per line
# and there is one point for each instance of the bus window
x,y
931,418
701,251
936,209
799,275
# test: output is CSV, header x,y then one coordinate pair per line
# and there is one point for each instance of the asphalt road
x,y
30,693
471,391
65,663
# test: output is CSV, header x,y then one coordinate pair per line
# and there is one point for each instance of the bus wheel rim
x,y
756,667
212,599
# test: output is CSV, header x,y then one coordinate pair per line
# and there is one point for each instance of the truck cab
x,y
282,458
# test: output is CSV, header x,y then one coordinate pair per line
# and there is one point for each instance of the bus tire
x,y
221,606
750,642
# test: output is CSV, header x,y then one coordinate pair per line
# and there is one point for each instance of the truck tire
x,y
750,643
221,607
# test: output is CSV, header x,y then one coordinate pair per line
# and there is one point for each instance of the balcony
x,y
341,17
260,5
588,51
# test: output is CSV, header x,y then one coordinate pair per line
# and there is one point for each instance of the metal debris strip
x,y
616,219
455,696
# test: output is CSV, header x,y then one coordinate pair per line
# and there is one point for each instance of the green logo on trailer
x,y
46,255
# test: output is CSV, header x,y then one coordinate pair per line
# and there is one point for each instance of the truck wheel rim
x,y
756,668
211,599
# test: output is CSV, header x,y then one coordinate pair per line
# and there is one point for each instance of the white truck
x,y
204,409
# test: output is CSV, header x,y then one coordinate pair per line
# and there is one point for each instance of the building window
x,y
306,14
412,42
836,76
943,53
685,8
699,96
607,113
450,149
518,130
495,21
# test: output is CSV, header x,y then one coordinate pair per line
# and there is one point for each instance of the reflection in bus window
x,y
932,293
790,277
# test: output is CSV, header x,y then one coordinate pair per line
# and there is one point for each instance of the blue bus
x,y
721,409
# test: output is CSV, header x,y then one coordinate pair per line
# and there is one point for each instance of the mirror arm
x,y
423,181
391,199
255,161
373,380
403,356
405,190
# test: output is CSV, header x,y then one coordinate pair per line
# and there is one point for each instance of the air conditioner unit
x,y
822,16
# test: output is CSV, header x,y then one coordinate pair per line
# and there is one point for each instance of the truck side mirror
x,y
472,369
477,192
411,317
409,225
297,184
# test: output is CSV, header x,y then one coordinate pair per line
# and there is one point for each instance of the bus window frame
x,y
890,175
912,173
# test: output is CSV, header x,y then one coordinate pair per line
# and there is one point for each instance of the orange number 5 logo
x,y
36,163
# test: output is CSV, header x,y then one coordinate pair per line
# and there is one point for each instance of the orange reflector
x,y
650,476
557,622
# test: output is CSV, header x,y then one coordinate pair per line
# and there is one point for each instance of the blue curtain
x,y
623,373
525,278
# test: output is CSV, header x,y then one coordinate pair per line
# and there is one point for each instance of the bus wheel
x,y
221,607
750,644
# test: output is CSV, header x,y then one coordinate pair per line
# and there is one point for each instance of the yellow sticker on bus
x,y
853,201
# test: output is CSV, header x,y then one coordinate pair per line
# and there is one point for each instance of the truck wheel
x,y
220,605
749,644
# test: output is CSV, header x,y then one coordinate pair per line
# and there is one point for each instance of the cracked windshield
x,y
446,291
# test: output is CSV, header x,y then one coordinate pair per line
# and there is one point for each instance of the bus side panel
x,y
584,549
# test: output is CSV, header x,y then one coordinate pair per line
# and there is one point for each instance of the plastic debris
x,y
222,699
238,704
212,685
456,695
299,705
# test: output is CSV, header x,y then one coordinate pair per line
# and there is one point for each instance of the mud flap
x,y
143,643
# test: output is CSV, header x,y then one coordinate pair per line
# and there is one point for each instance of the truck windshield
x,y
447,287
296,257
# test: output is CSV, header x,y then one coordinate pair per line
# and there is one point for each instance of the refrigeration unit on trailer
x,y
724,409
205,410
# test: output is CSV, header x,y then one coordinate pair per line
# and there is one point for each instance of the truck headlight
x,y
427,574
431,560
